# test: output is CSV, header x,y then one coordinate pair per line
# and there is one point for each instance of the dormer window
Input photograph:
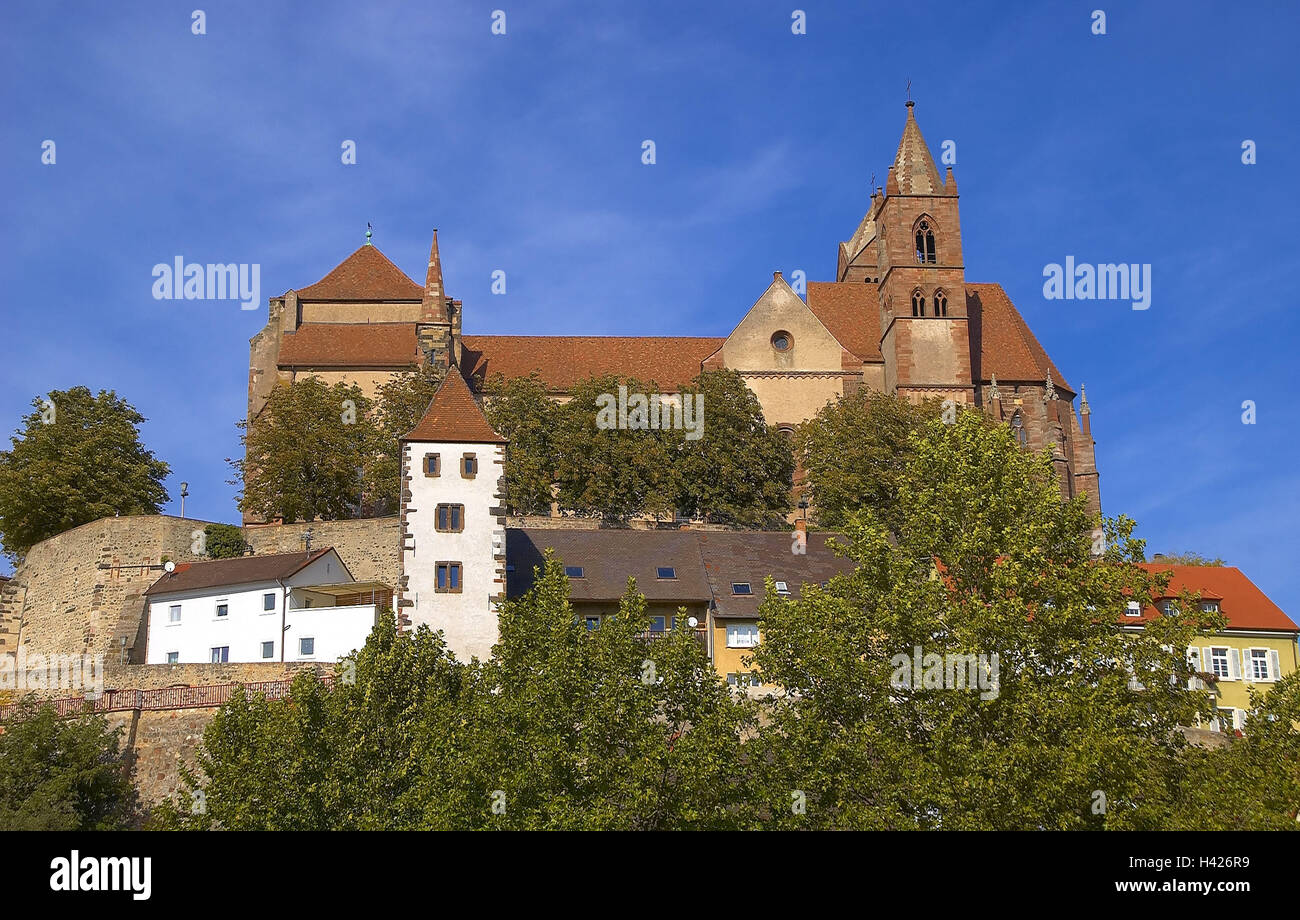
x,y
924,242
918,303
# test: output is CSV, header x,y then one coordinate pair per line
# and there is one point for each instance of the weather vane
x,y
909,89
369,233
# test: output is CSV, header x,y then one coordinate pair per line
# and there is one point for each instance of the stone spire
x,y
914,170
993,388
433,306
1049,392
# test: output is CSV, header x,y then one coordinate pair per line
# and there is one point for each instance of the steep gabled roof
x,y
366,275
242,570
914,168
562,360
454,417
386,345
1240,601
1005,345
851,312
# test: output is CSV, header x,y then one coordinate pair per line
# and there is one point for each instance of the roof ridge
x,y
454,416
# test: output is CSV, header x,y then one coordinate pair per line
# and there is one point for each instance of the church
x,y
899,317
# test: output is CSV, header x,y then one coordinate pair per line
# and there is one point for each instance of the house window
x,y
665,571
573,571
220,654
448,577
924,242
742,635
940,303
1219,662
1227,720
468,466
1210,606
174,613
432,465
658,624
741,587
1134,609
173,657
743,679
307,646
223,608
918,303
592,623
450,518
268,601
268,649
1259,664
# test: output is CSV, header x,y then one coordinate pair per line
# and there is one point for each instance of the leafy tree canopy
x,y
77,458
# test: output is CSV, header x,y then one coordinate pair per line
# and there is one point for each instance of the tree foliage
x,y
306,453
855,451
400,403
521,412
77,458
223,541
63,774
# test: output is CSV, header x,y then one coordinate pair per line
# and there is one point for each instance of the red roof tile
x,y
1001,338
367,274
851,311
1244,605
562,361
454,416
241,570
350,345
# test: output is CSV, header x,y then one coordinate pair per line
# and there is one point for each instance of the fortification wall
x,y
81,592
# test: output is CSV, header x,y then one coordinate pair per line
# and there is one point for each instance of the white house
x,y
284,607
453,522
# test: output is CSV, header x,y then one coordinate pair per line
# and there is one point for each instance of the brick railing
x,y
206,697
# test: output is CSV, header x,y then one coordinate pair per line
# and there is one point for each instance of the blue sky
x,y
525,151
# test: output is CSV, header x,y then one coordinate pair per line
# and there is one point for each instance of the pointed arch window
x,y
924,241
1018,428
918,303
940,303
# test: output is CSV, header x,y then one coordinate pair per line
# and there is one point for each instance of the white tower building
x,y
453,522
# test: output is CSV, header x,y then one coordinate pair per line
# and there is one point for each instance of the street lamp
x,y
185,490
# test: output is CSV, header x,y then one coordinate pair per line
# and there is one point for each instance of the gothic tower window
x,y
924,242
940,303
1018,428
918,303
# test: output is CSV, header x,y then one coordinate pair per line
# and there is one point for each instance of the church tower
x,y
921,279
453,522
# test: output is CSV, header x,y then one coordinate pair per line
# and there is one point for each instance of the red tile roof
x,y
367,274
350,345
852,314
453,416
562,361
1244,605
1001,338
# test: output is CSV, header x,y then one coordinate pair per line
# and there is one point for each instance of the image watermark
x,y
651,412
951,671
183,280
1105,281
24,671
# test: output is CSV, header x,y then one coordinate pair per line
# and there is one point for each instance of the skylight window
x,y
666,571
573,571
741,587
782,588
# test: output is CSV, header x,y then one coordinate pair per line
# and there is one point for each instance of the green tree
x,y
609,472
400,403
77,458
521,411
740,470
854,452
63,774
331,757
570,729
1252,782
306,453
1187,559
223,541
983,558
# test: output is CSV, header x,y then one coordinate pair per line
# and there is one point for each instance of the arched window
x,y
940,303
1018,428
918,303
924,241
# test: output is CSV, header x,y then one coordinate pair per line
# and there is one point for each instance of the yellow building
x,y
1256,649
